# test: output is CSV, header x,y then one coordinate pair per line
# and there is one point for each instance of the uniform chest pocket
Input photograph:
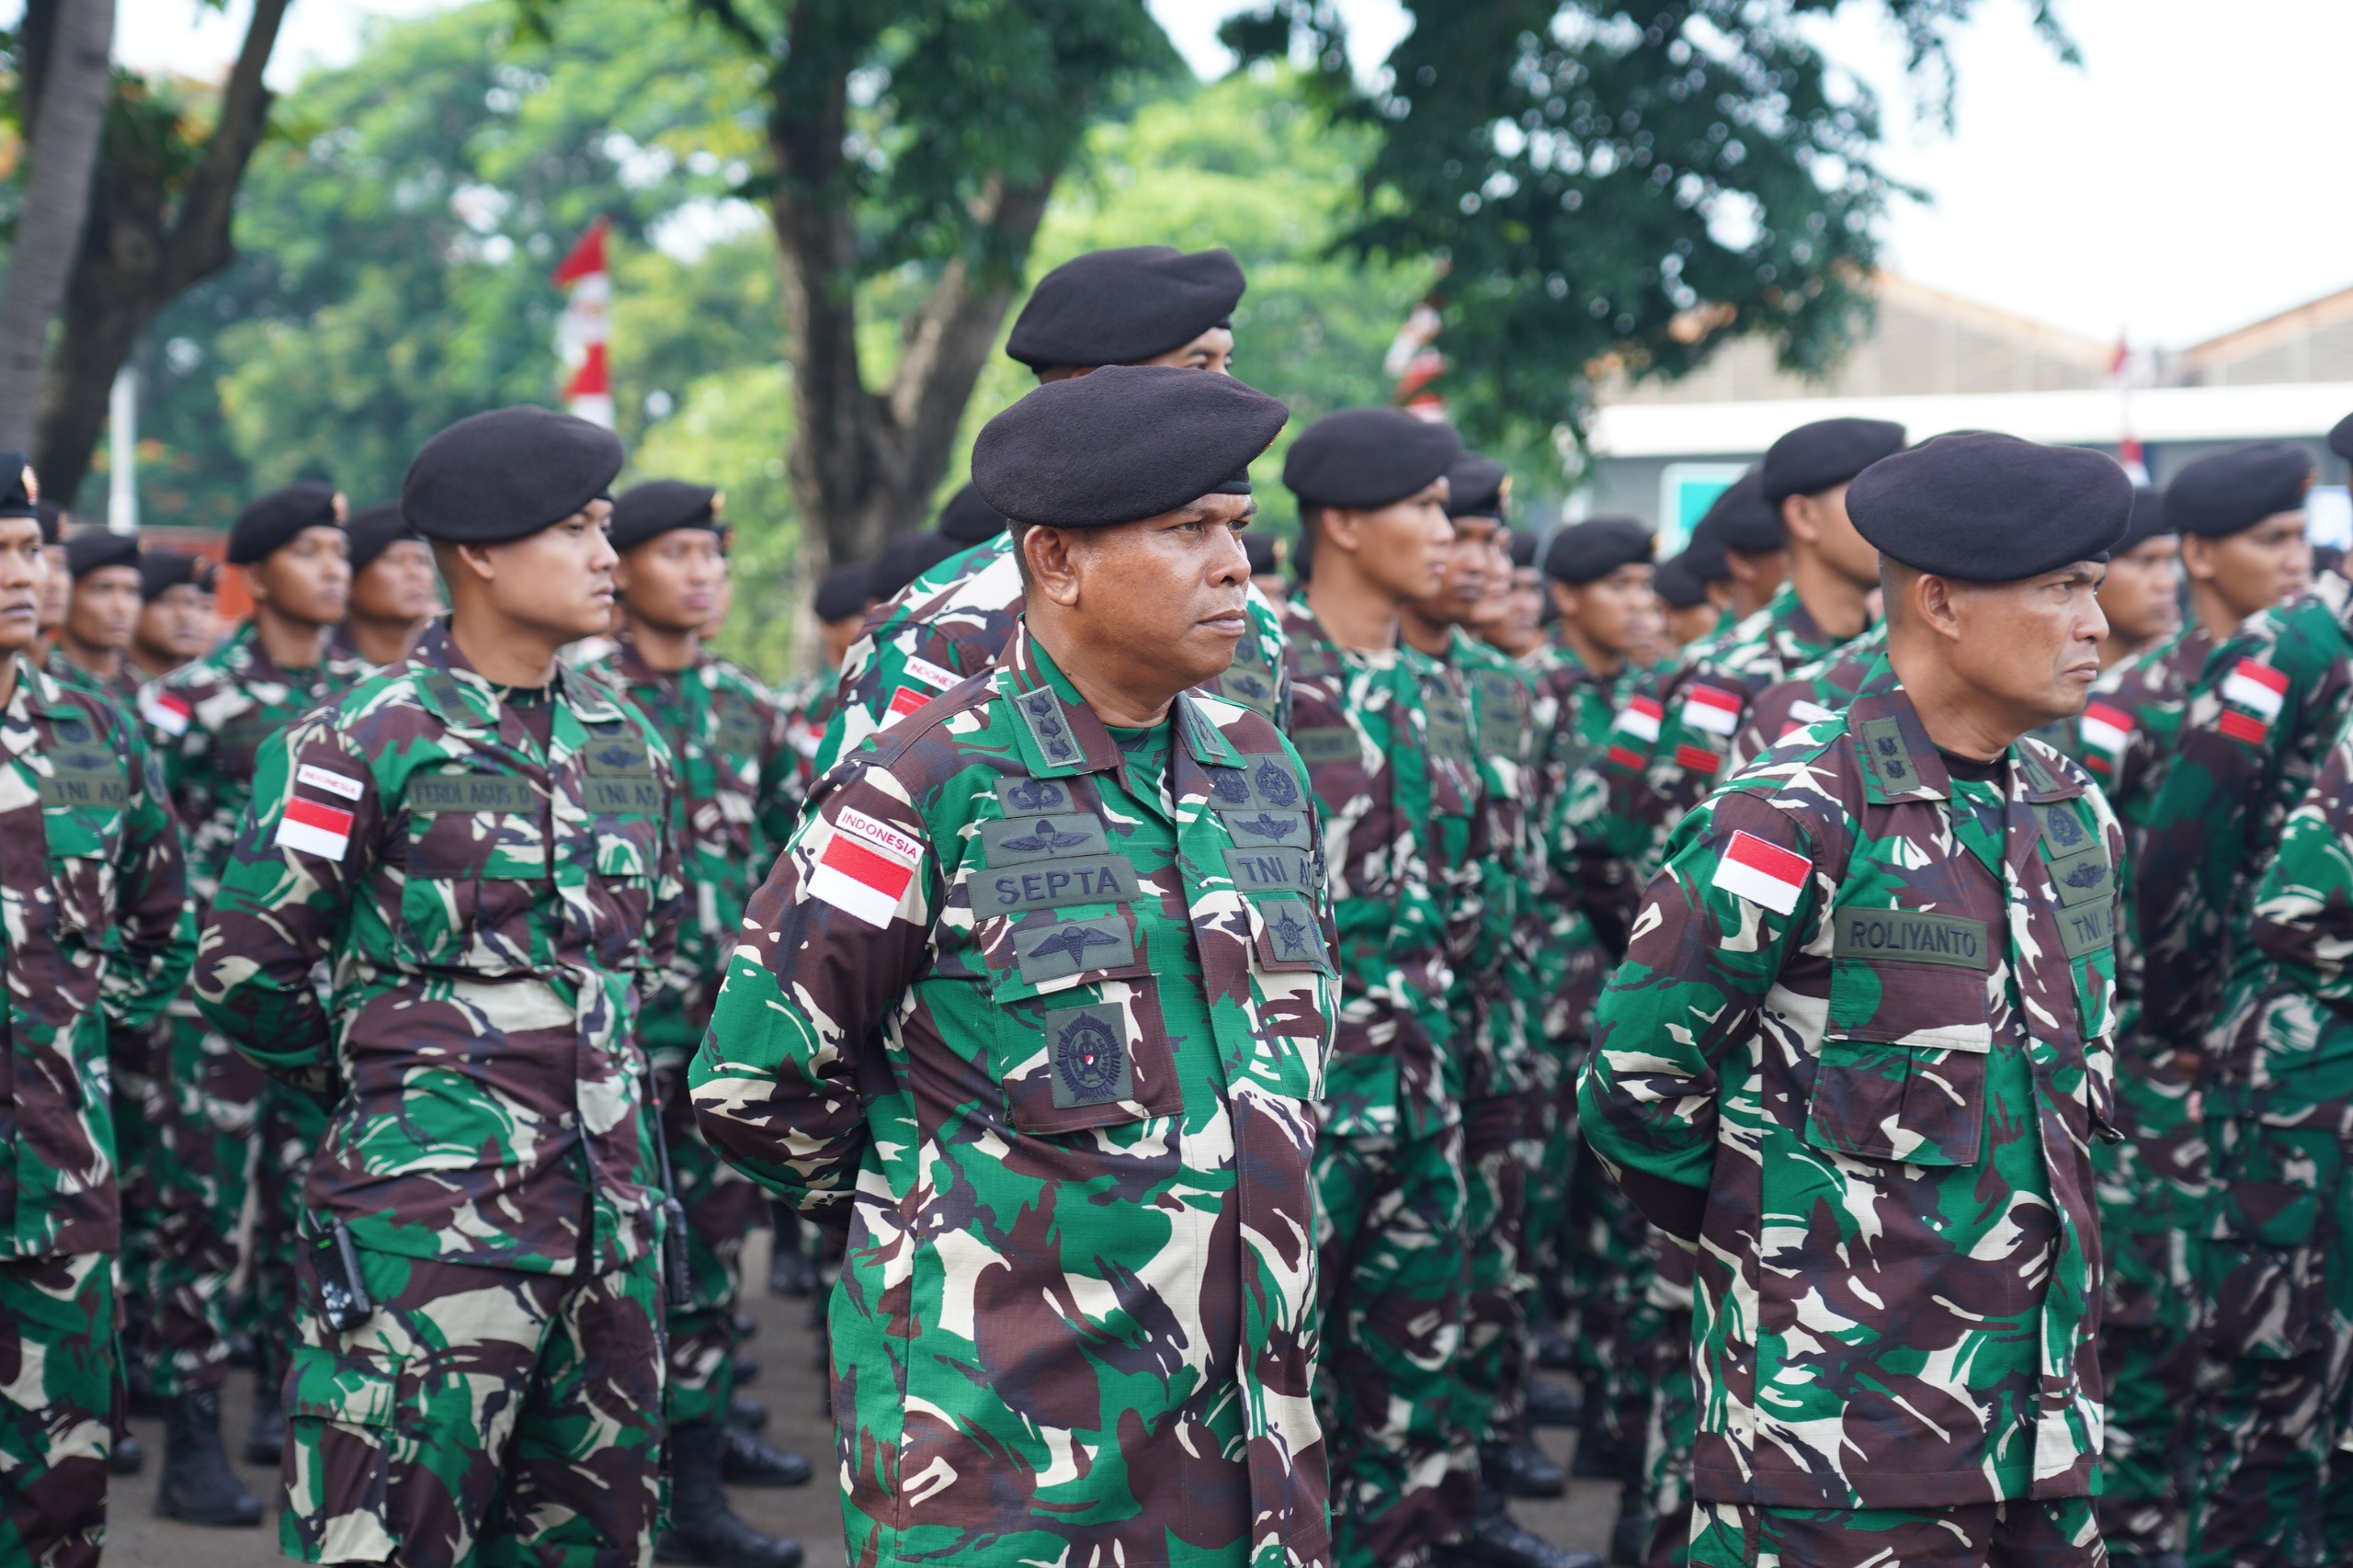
x,y
628,861
477,870
1077,1039
84,842
1901,1071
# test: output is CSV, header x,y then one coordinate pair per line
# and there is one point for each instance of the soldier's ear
x,y
1931,601
1050,555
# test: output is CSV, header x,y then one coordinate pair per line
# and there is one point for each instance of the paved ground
x,y
136,1539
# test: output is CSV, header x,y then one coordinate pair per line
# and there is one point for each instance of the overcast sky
x,y
2176,186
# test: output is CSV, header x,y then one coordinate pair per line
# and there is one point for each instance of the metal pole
x,y
122,453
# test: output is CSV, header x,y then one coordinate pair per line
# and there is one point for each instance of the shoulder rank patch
x,y
1042,711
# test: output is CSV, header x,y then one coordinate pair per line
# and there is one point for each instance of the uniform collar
x,y
629,661
38,691
456,693
1901,763
1059,734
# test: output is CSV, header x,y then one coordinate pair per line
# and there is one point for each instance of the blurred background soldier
x,y
176,609
59,581
1682,591
839,607
101,613
99,939
477,843
394,594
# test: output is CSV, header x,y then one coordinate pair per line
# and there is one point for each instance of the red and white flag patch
x,y
904,701
1712,708
1762,872
2256,688
2243,726
1640,718
315,828
167,711
2105,729
865,868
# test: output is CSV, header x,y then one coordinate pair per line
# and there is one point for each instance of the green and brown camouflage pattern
x,y
492,925
481,1416
1805,696
57,1389
1061,1100
2059,1532
808,704
956,617
1874,1129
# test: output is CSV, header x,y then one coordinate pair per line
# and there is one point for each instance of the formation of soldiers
x,y
1860,999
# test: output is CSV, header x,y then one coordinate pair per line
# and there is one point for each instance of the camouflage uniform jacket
x,y
1391,802
1812,692
2300,1054
2129,727
94,912
1855,1053
2261,713
955,619
808,704
1504,850
207,720
493,915
1583,903
737,798
122,688
1701,709
1043,1029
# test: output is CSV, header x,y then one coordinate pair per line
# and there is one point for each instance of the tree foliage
x,y
1616,186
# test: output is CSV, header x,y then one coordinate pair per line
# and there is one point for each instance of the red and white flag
x,y
1640,718
904,701
2105,729
581,332
1712,708
865,868
315,828
2258,688
1762,873
167,711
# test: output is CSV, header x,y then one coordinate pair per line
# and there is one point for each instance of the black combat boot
x,y
749,1414
748,1370
703,1529
745,1459
1549,1404
1520,1468
1603,1453
1495,1539
266,1438
198,1486
128,1457
790,1272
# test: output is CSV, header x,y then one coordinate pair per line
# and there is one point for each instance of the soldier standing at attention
x,y
175,612
2142,600
1371,484
1832,572
476,842
208,721
735,804
1861,1041
1692,616
99,939
1139,305
1034,1008
1742,546
840,606
101,612
394,595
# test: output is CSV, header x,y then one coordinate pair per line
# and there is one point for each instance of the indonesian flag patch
x,y
2105,730
2255,686
1710,708
1762,873
1640,718
865,868
167,711
1802,714
315,828
904,701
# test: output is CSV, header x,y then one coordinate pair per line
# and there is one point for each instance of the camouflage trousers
x,y
1609,1254
1490,1371
201,1161
134,1060
2053,1533
2274,1488
481,1416
1553,1164
57,1378
1390,1254
1673,1430
723,1207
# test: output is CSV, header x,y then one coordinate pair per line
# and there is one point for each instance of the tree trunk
x,y
74,82
145,245
863,463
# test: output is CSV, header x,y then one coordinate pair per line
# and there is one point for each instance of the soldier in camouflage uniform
x,y
394,592
736,801
98,938
2260,714
1034,1008
1870,987
101,612
1141,305
1391,777
176,611
477,843
839,607
1692,616
208,721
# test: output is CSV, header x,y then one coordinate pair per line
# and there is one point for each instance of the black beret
x,y
649,510
1523,548
2340,437
1739,518
270,523
1584,553
375,530
1118,307
842,592
53,520
94,550
1988,508
1365,457
1477,487
2148,520
161,571
506,474
905,558
16,500
1126,443
968,519
1678,585
1260,549
1828,452
2229,491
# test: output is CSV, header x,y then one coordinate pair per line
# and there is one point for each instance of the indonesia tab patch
x,y
865,868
